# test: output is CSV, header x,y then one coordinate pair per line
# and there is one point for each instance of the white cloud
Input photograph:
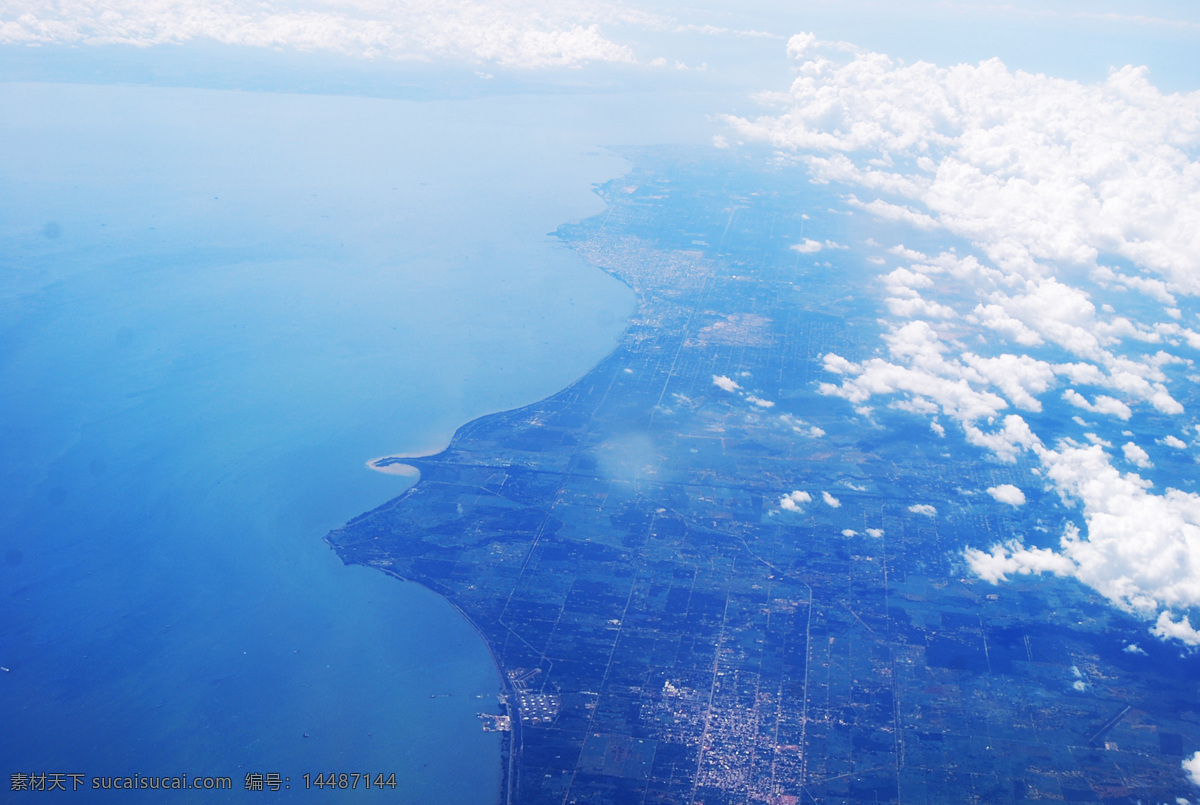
x,y
839,365
919,306
1182,630
1173,441
1102,405
725,383
1141,550
1012,558
1007,442
1136,455
1191,766
995,317
966,387
1030,167
800,426
923,508
793,501
809,246
830,500
849,532
1155,289
761,403
511,33
1032,184
875,532
1040,177
903,282
1007,493
1134,648
1019,378
918,371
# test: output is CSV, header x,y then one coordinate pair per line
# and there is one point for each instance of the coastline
x,y
397,464
510,740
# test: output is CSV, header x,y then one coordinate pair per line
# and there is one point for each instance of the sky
x,y
1069,39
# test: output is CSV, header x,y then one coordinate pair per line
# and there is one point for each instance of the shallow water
x,y
214,308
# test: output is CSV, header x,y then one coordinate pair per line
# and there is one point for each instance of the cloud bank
x,y
517,33
1053,184
1031,168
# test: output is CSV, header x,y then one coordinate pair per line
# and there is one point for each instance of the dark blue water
x,y
214,308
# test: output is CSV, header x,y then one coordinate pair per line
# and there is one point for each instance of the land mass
x,y
668,632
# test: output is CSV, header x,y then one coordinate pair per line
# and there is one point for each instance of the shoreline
x,y
510,740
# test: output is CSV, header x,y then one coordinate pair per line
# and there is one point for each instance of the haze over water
x,y
216,307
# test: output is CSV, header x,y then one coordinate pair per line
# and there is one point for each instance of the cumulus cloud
x,y
849,532
1191,766
808,246
1182,630
1008,441
1007,493
1103,404
1136,455
1041,177
1030,167
523,34
725,383
830,500
1013,558
875,532
1141,550
793,501
918,371
759,401
923,508
1173,441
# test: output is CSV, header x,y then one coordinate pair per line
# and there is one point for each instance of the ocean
x,y
215,307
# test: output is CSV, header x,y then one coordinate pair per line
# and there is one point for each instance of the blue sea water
x,y
214,308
